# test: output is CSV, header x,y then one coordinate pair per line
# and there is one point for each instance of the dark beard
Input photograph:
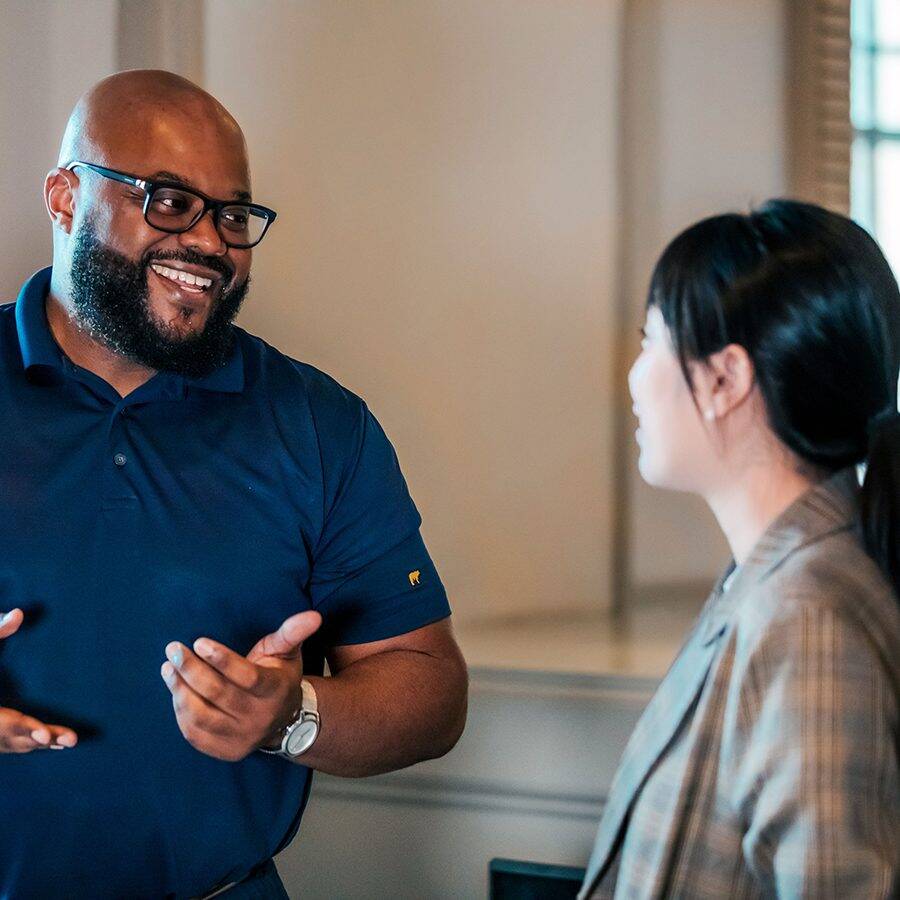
x,y
110,300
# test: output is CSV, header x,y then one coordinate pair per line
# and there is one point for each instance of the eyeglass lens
x,y
171,209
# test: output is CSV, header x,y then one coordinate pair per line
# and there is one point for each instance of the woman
x,y
767,763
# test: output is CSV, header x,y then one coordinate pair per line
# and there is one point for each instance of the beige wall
x,y
447,186
477,194
705,132
50,51
472,195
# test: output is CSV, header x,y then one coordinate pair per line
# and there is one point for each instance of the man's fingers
x,y
205,681
25,729
55,737
10,622
291,634
61,737
197,718
230,665
20,733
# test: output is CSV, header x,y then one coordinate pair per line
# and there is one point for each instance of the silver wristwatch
x,y
301,733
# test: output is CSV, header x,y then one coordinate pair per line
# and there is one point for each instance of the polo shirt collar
x,y
35,340
38,347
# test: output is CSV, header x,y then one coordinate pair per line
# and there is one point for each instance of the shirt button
x,y
120,459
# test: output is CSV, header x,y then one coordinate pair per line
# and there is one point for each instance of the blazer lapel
x,y
653,733
824,509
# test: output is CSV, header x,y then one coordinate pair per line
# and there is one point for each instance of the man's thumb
x,y
286,642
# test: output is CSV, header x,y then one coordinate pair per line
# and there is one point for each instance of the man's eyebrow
x,y
166,175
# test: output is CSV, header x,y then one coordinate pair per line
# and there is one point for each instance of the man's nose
x,y
204,237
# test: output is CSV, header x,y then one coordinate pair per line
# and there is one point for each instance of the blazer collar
x,y
653,733
824,509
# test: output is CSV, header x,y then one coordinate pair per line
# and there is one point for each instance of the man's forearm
x,y
387,711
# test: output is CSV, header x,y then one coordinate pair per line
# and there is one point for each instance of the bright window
x,y
875,110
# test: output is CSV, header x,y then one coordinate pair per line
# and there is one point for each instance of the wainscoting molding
x,y
527,781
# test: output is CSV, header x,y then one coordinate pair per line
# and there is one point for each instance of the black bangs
x,y
811,298
692,284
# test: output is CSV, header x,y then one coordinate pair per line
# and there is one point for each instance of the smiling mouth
x,y
185,281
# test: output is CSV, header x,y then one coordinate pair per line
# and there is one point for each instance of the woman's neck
x,y
753,499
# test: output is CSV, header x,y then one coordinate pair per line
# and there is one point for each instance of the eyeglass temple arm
x,y
109,173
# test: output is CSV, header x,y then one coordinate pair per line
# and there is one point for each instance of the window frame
x,y
866,51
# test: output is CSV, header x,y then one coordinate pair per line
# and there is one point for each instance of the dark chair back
x,y
511,879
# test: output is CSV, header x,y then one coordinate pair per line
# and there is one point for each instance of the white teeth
x,y
183,277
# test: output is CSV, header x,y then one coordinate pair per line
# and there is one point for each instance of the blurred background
x,y
471,196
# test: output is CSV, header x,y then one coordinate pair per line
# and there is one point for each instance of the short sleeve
x,y
371,577
813,771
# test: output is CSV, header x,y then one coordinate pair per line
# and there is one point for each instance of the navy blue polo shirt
x,y
214,506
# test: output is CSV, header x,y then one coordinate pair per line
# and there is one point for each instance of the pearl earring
x,y
709,415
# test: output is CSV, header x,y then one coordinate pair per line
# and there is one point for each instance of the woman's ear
x,y
723,382
59,188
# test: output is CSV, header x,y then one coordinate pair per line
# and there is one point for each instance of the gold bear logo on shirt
x,y
414,577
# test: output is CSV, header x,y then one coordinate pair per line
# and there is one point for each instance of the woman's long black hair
x,y
813,301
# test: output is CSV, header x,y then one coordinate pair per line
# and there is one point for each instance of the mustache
x,y
192,257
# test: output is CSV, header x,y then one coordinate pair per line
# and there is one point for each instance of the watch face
x,y
301,738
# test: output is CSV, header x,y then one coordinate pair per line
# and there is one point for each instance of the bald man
x,y
191,524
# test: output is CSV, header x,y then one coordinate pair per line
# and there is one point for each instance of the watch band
x,y
303,729
309,702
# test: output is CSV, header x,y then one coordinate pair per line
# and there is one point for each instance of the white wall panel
x,y
527,781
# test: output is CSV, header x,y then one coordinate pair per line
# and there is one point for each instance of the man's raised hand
x,y
228,705
20,733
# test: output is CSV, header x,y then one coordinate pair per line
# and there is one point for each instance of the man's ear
x,y
724,381
59,197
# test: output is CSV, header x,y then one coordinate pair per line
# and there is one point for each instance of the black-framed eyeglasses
x,y
174,208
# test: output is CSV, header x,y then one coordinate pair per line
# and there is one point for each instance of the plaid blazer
x,y
767,762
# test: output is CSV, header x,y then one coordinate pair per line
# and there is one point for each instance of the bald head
x,y
129,109
139,137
